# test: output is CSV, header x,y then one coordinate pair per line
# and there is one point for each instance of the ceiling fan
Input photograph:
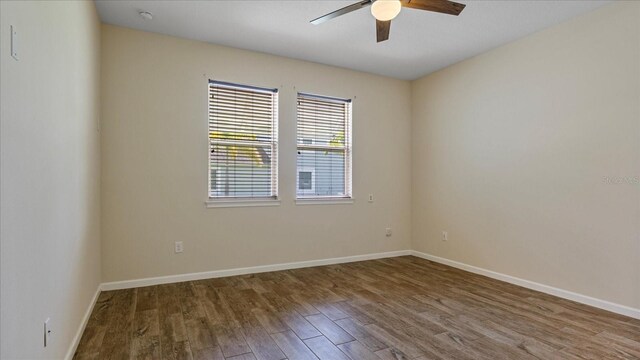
x,y
386,10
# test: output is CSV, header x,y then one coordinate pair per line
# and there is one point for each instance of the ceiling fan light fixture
x,y
385,10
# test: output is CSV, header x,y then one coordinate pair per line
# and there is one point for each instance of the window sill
x,y
241,203
325,201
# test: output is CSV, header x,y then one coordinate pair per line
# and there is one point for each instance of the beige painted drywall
x,y
154,161
50,212
511,150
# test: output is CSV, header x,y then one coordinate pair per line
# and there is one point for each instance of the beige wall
x,y
154,161
510,152
50,248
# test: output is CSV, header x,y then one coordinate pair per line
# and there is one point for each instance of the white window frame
x,y
348,154
216,202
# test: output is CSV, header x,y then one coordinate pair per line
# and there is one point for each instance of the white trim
x,y
241,203
127,284
83,325
325,201
565,294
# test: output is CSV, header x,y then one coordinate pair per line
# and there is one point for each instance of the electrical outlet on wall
x,y
178,247
445,236
370,198
388,232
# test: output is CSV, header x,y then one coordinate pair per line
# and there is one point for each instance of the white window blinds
x,y
243,141
324,147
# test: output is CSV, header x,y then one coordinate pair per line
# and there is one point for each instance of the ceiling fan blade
x,y
345,10
382,30
441,6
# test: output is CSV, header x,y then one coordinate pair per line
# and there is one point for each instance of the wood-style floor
x,y
399,308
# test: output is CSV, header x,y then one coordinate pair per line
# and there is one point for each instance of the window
x,y
324,147
243,142
306,179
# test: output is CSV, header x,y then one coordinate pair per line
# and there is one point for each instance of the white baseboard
x,y
83,325
565,294
127,284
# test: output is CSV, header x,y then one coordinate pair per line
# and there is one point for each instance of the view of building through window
x,y
324,147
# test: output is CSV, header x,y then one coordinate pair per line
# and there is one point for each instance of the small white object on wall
x,y
14,43
146,15
47,332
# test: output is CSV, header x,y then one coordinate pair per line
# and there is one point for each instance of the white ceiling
x,y
421,42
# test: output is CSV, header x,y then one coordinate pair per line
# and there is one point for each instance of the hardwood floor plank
x,y
87,356
176,350
270,321
361,334
174,342
261,344
509,337
146,335
302,306
117,340
248,356
356,351
397,308
324,349
331,311
393,354
211,353
299,325
91,341
619,342
329,329
102,310
231,340
199,334
147,347
354,313
147,298
396,342
293,347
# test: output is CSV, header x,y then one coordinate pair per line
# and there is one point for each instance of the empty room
x,y
320,179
